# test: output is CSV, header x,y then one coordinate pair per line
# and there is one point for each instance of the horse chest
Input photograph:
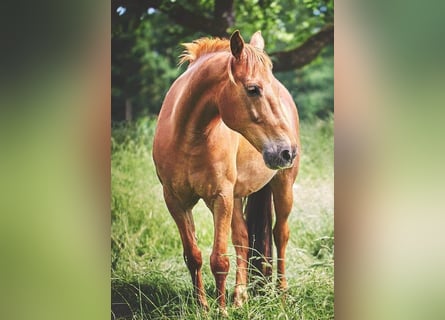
x,y
251,179
252,173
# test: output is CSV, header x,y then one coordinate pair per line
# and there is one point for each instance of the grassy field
x,y
149,276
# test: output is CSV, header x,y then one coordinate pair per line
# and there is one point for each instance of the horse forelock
x,y
256,60
252,57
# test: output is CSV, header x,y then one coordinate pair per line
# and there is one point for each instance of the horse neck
x,y
196,111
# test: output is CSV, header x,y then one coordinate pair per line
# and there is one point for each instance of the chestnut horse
x,y
228,129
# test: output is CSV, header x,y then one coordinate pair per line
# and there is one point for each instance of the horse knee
x,y
193,260
281,233
219,264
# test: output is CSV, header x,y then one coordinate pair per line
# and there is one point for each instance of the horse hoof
x,y
239,302
223,312
204,306
240,296
282,284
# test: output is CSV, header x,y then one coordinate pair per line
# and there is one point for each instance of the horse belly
x,y
252,173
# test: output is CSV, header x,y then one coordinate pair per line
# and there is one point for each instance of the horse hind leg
x,y
240,241
192,254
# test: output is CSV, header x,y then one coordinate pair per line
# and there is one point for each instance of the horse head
x,y
252,103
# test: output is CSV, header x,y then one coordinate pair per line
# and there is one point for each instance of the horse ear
x,y
257,41
236,44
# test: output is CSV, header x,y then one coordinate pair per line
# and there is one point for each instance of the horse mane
x,y
198,48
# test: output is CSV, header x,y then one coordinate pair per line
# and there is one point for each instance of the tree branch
x,y
304,54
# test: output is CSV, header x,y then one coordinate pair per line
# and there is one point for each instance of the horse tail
x,y
259,225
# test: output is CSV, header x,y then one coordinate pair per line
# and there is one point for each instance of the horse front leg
x,y
192,254
240,241
283,200
221,206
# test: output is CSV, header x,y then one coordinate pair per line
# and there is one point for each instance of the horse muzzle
x,y
279,155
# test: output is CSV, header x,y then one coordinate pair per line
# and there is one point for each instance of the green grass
x,y
149,277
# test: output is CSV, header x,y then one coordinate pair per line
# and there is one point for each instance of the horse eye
x,y
253,91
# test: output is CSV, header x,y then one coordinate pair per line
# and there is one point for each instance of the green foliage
x,y
312,87
284,24
149,277
145,68
144,52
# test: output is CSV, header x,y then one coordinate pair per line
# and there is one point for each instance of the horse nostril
x,y
285,155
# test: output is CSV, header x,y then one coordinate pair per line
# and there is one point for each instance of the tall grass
x,y
149,277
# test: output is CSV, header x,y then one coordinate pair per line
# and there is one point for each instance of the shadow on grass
x,y
162,299
311,298
154,299
130,300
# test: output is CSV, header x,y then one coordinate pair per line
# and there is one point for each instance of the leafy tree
x,y
146,37
312,86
